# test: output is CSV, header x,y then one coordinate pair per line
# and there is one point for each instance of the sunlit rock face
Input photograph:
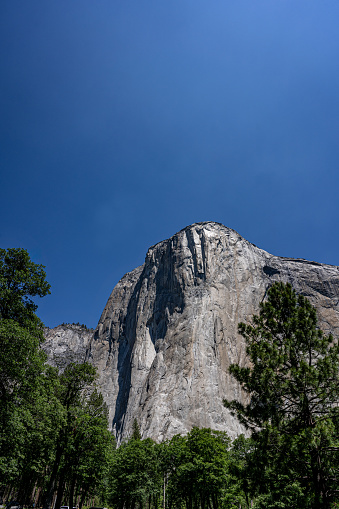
x,y
66,343
168,333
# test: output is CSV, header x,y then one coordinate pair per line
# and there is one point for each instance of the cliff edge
x,y
169,329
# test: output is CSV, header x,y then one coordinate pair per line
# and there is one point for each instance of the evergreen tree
x,y
293,383
136,435
22,362
53,427
21,279
76,379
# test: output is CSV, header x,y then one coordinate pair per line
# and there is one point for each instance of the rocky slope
x,y
66,343
169,330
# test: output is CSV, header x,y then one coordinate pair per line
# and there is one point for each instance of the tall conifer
x,y
292,380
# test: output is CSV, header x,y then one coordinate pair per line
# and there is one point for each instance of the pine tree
x,y
136,435
292,380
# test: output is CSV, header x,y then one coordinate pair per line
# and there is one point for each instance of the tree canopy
x,y
20,279
292,380
190,472
54,436
22,362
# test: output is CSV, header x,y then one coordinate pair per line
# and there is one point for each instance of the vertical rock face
x,y
169,330
66,343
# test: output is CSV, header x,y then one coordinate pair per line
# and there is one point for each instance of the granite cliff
x,y
169,329
66,343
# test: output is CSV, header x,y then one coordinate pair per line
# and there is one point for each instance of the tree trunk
x,y
61,489
48,497
321,499
84,492
71,492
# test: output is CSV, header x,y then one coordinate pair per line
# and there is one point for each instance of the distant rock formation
x,y
168,332
66,343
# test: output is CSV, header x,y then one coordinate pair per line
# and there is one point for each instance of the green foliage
x,y
293,383
92,445
20,279
42,420
189,471
21,359
53,426
73,381
82,438
136,435
240,468
198,466
135,477
78,324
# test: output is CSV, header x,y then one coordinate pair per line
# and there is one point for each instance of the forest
x,y
56,448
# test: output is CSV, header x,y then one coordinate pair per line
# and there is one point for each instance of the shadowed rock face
x,y
169,330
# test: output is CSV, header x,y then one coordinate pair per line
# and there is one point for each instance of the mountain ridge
x,y
168,332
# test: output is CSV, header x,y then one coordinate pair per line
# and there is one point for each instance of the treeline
x,y
206,470
55,444
54,439
55,447
199,470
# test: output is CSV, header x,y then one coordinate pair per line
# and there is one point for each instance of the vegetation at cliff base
x,y
54,439
193,471
293,411
55,447
20,280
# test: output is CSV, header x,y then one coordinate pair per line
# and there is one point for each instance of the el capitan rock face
x,y
169,330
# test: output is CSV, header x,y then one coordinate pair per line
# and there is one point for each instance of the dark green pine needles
x,y
292,380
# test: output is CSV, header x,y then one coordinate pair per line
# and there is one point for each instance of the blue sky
x,y
122,122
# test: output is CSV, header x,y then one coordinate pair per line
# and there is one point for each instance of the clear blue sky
x,y
123,121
